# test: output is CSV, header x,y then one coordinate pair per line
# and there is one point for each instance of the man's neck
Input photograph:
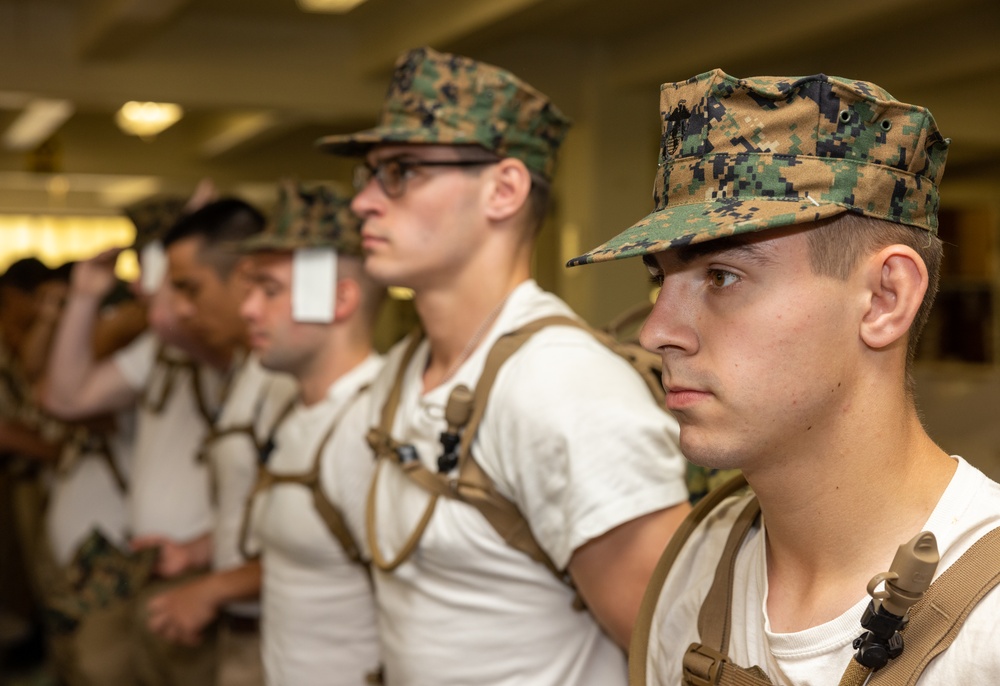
x,y
220,359
456,321
836,511
329,366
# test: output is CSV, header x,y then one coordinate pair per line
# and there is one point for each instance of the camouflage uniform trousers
x,y
239,657
161,663
97,652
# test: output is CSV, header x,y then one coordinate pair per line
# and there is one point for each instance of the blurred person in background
x,y
179,393
310,313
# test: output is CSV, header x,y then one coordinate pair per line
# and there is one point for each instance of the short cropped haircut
x,y
537,202
26,275
219,225
837,245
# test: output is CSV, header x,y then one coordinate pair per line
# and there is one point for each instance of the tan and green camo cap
x,y
444,99
743,155
308,217
153,217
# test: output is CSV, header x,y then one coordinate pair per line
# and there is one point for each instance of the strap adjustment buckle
x,y
702,665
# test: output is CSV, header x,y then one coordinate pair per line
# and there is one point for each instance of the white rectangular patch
x,y
314,284
153,267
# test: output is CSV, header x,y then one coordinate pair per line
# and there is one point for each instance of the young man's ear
x,y
348,299
507,193
896,278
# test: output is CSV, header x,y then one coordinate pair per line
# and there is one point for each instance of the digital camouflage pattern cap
x,y
743,155
453,100
308,217
153,217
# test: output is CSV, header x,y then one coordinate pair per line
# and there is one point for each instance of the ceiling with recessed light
x,y
260,80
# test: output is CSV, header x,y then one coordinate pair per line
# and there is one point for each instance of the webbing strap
x,y
715,617
87,440
104,450
310,479
171,367
937,617
386,448
249,430
639,646
214,435
855,674
371,525
396,392
707,663
472,484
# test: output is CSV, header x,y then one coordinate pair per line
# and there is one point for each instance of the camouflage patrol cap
x,y
313,217
438,98
743,155
153,217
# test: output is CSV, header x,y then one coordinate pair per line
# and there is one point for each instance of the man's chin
x,y
704,452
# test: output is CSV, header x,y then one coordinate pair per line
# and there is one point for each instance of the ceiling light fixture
x,y
36,124
328,6
146,119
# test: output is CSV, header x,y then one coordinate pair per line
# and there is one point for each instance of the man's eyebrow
x,y
259,278
743,246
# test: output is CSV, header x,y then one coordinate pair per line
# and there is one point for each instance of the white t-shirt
x,y
169,490
573,437
233,456
318,612
969,508
84,494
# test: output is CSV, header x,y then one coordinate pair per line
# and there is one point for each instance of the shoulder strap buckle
x,y
702,665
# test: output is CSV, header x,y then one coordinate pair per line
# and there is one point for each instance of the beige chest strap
x,y
639,645
310,479
471,485
707,662
937,617
933,624
172,369
84,440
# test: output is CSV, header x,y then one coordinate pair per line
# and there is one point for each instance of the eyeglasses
x,y
393,173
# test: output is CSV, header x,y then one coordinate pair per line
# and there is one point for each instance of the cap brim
x,y
673,227
358,144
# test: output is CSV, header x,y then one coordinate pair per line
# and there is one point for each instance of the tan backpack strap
x,y
937,617
170,368
104,448
707,662
326,510
334,521
639,646
199,396
213,435
264,482
330,515
718,603
504,347
385,448
473,485
476,488
396,391
371,527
